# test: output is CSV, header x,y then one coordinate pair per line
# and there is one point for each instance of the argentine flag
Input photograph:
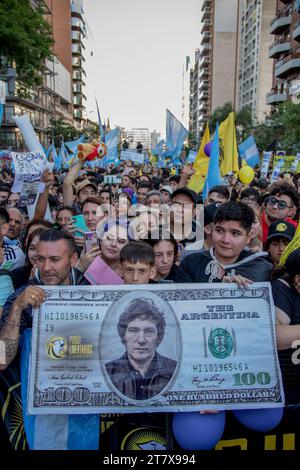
x,y
112,142
249,151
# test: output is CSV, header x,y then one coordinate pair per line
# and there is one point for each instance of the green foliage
x,y
61,130
91,131
219,115
243,120
25,40
281,130
192,142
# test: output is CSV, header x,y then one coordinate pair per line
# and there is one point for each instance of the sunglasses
x,y
272,201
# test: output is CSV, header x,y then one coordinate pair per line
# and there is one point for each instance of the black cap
x,y
209,212
188,192
292,263
280,229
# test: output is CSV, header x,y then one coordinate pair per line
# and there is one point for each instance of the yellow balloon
x,y
246,174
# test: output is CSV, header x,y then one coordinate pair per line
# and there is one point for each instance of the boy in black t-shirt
x,y
227,260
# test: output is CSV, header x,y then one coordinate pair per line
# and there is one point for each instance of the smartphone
x,y
79,223
90,240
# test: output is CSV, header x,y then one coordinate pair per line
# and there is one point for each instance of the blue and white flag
x,y
50,149
112,142
249,151
213,177
50,431
1,112
158,149
57,158
175,136
72,145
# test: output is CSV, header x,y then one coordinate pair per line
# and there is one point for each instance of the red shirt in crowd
x,y
265,226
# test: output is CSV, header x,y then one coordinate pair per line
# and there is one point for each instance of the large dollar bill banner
x,y
154,348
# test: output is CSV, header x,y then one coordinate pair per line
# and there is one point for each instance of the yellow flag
x,y
228,147
292,246
200,164
200,155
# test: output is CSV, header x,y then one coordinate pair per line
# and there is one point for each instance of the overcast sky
x,y
139,49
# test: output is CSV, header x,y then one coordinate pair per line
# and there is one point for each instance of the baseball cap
x,y
85,183
168,189
280,229
188,192
292,263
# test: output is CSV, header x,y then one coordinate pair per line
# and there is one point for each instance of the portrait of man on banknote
x,y
141,372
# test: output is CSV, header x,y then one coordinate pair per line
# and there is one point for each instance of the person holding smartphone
x,y
92,215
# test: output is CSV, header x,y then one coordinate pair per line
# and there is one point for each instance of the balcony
x,y
77,36
205,49
76,9
280,23
204,95
296,32
205,61
286,66
278,47
205,72
206,13
203,106
206,25
204,85
206,4
203,116
76,49
274,98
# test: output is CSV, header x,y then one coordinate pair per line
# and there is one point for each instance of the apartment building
x,y
53,99
213,79
255,68
285,52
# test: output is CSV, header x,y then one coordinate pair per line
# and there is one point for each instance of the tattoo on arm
x,y
11,349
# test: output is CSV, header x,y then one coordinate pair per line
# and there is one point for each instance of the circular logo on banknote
x,y
220,343
144,439
57,347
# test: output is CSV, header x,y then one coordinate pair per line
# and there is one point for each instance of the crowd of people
x,y
150,228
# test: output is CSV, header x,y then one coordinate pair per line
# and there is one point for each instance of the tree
x,y
61,130
281,130
244,123
91,131
26,41
243,119
219,115
191,142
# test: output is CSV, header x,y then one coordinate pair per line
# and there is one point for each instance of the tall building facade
x,y
69,33
285,52
213,80
155,138
61,93
256,71
139,134
78,60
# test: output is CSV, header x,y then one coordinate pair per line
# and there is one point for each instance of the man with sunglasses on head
x,y
281,205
